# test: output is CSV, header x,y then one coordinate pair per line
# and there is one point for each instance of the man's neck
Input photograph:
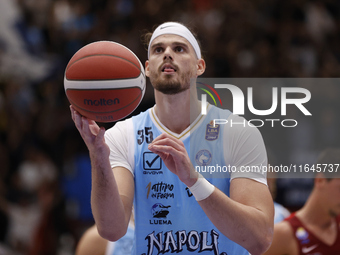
x,y
177,111
313,213
316,217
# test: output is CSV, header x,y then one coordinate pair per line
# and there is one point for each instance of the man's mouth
x,y
168,69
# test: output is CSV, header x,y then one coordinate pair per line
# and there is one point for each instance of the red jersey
x,y
308,243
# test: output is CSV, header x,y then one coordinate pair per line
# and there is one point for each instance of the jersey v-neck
x,y
186,133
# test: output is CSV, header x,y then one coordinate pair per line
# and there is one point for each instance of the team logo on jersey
x,y
152,163
160,190
212,132
203,158
159,214
302,235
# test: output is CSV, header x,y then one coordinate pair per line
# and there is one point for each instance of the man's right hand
x,y
92,134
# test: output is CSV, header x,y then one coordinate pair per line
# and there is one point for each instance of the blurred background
x,y
44,165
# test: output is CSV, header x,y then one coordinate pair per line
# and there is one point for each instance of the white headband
x,y
176,29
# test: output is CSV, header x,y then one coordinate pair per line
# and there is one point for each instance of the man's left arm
x,y
246,217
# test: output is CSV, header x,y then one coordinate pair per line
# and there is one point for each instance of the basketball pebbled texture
x,y
104,81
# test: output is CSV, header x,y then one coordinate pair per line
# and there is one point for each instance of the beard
x,y
169,85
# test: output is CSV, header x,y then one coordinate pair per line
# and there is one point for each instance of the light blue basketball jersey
x,y
168,218
123,246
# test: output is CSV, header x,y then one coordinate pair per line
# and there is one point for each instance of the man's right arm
x,y
111,200
112,189
284,242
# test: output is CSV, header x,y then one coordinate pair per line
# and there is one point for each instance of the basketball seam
x,y
107,80
70,64
114,79
105,88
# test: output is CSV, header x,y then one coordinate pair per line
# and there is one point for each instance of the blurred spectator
x,y
319,22
76,186
53,227
35,170
16,60
24,215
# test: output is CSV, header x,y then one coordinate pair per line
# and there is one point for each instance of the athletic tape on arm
x,y
202,188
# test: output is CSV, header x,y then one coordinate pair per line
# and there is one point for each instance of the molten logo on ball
x,y
101,102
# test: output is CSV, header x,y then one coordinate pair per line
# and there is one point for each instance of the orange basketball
x,y
104,81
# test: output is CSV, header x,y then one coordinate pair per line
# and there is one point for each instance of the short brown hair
x,y
329,160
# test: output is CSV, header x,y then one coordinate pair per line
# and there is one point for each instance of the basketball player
x,y
151,160
315,228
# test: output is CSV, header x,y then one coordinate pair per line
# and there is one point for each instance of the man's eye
x,y
158,50
179,49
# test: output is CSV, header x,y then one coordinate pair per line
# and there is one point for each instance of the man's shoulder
x,y
212,109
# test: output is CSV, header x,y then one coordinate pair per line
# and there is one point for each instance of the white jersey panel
x,y
244,149
121,142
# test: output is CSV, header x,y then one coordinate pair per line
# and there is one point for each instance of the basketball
x,y
104,81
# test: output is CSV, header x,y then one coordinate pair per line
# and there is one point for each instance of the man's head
x,y
329,161
327,182
174,58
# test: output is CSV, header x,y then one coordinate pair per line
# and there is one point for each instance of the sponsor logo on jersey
x,y
203,158
188,192
212,132
309,249
152,163
160,190
175,242
159,214
302,235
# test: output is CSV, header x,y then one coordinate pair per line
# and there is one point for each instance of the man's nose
x,y
168,53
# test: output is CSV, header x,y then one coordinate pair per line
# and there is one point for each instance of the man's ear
x,y
320,180
200,67
147,72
